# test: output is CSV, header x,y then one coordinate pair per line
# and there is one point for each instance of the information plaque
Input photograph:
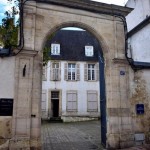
x,y
6,107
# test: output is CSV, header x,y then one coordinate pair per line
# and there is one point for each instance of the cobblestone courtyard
x,y
71,136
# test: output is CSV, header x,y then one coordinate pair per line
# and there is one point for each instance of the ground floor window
x,y
92,101
72,101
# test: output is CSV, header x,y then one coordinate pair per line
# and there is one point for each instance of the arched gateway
x,y
106,23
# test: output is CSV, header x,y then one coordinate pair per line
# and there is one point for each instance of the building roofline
x,y
139,27
91,6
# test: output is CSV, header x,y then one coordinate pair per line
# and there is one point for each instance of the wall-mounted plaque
x,y
6,107
140,109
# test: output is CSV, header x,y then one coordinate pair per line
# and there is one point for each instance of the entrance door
x,y
55,103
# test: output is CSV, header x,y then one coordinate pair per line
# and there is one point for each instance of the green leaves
x,y
46,55
9,29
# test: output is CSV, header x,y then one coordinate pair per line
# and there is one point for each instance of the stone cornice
x,y
120,61
26,52
91,6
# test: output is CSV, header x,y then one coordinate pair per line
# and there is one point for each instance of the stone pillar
x,y
26,111
120,133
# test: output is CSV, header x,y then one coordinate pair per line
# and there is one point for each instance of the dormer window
x,y
89,51
55,49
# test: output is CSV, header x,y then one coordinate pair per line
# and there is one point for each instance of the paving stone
x,y
71,136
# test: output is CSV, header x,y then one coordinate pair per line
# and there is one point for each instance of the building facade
x,y
41,19
70,87
138,22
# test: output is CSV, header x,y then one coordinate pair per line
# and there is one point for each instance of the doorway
x,y
55,103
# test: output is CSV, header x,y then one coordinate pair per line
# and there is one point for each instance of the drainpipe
x,y
21,33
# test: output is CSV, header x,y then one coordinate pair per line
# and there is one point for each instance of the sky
x,y
4,5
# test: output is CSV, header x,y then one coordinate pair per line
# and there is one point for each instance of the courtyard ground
x,y
71,136
75,136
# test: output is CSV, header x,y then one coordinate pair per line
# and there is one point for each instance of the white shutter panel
x,y
77,72
51,72
43,102
59,72
85,72
66,71
44,73
97,72
92,101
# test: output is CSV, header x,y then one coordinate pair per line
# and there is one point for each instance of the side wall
x,y
140,12
7,84
139,46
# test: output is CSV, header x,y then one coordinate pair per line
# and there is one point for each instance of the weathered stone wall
x,y
140,94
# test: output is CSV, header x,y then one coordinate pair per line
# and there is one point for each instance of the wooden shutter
x,y
59,72
97,72
43,102
92,101
44,73
65,71
51,72
72,101
85,72
77,72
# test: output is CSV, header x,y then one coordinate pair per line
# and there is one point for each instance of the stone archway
x,y
40,20
101,64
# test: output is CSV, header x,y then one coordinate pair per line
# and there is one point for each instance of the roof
x,y
89,5
72,45
139,26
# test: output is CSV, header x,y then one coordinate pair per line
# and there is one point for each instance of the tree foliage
x,y
9,28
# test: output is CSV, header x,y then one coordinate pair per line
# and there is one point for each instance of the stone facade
x,y
40,21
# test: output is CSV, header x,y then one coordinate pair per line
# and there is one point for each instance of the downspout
x,y
21,24
21,40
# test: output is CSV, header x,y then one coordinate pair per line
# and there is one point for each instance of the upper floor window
x,y
55,49
72,71
89,51
91,72
55,71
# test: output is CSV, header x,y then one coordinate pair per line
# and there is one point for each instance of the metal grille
x,y
55,95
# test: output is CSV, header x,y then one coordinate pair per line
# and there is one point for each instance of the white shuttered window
x,y
71,101
91,72
72,72
92,101
55,74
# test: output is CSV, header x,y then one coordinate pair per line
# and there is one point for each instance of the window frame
x,y
89,51
55,70
91,72
55,49
72,72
